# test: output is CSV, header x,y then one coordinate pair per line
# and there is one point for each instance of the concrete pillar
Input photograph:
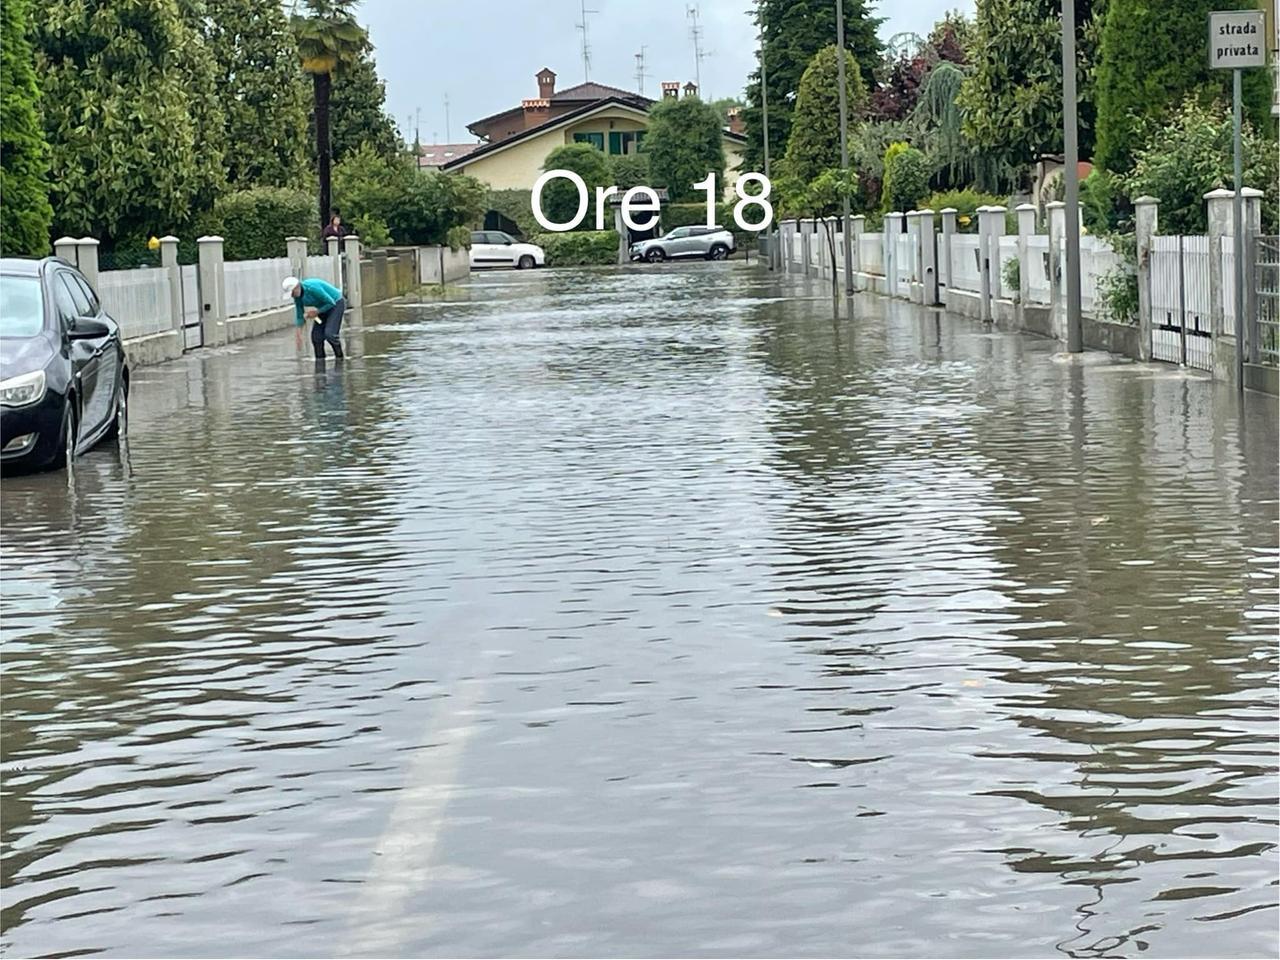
x,y
169,263
1026,229
857,227
65,247
928,257
213,294
87,260
911,268
1221,212
1146,219
297,252
949,215
1056,212
893,224
991,221
351,245
806,257
334,250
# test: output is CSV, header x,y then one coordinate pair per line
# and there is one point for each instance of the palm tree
x,y
328,38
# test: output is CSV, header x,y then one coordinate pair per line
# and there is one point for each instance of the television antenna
x,y
586,45
447,132
695,33
640,74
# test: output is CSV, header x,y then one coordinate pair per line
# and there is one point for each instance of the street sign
x,y
1237,39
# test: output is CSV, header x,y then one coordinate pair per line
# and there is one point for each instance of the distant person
x,y
334,228
322,302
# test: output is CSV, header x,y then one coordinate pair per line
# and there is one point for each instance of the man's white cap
x,y
290,284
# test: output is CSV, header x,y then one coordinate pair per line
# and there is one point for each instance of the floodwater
x,y
648,612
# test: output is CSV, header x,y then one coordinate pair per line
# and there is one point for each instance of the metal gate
x,y
1264,335
1181,327
192,321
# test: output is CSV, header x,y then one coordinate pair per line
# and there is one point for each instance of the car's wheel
x,y
656,255
120,425
525,262
718,252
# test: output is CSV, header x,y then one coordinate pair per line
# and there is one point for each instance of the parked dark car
x,y
64,378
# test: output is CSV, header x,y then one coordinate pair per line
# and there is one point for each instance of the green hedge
x,y
966,204
255,222
579,247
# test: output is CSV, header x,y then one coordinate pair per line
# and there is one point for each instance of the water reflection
x,y
647,612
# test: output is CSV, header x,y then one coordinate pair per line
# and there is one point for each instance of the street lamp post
x,y
764,109
1071,174
844,149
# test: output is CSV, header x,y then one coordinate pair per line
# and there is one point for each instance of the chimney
x,y
546,83
690,89
670,89
736,123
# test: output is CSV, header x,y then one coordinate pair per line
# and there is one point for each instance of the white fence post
x,y
296,250
334,246
352,289
65,247
892,230
169,261
213,294
858,226
1146,219
87,259
1056,211
929,257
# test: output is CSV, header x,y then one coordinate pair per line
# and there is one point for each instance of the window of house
x,y
625,141
595,139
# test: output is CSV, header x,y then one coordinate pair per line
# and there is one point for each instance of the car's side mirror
x,y
88,328
506,243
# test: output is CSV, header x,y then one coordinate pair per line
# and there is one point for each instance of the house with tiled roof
x,y
514,143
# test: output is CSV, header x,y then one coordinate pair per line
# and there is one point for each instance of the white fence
x,y
965,265
906,262
320,267
138,300
1008,253
1039,283
1097,259
871,253
254,285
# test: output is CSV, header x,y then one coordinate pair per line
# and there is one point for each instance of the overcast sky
x,y
484,54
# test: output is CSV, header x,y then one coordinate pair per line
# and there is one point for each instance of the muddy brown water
x,y
648,612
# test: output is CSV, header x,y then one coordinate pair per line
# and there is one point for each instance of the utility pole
x,y
844,151
640,70
764,110
586,46
1071,174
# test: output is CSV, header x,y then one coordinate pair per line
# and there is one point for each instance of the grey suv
x,y
710,243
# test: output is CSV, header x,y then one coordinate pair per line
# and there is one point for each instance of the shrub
x,y
1118,287
1011,278
560,197
579,247
906,178
432,204
371,230
966,204
1098,202
255,222
458,238
514,205
629,171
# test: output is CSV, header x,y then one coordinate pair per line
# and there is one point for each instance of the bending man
x,y
322,302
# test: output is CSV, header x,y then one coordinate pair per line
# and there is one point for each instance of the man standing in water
x,y
322,302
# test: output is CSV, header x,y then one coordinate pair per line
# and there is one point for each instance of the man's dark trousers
x,y
327,329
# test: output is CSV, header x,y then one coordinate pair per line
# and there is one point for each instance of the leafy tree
x,y
631,170
434,206
367,186
1153,55
1012,99
560,197
328,38
906,178
904,76
265,98
814,145
792,31
255,222
132,115
357,111
938,128
1180,161
685,142
25,214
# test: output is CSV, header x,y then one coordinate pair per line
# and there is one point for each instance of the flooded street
x,y
648,612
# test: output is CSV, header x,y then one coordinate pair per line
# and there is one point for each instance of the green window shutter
x,y
615,142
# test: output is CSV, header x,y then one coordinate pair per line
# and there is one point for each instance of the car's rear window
x,y
21,307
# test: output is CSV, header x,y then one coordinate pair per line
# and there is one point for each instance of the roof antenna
x,y
640,74
586,47
447,136
695,33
